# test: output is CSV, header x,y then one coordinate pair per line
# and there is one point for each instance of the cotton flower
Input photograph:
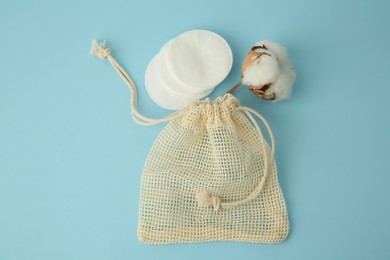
x,y
267,71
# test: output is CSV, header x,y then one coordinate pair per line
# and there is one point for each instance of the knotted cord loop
x,y
100,50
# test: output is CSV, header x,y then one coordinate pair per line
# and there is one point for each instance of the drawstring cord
x,y
100,51
205,198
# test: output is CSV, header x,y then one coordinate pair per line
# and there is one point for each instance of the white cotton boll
x,y
269,80
281,55
276,50
260,74
282,87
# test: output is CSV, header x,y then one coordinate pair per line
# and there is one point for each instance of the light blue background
x,y
71,156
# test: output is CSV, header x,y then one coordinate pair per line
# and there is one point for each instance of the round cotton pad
x,y
157,91
172,84
199,58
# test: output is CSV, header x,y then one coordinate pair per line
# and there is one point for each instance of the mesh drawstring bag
x,y
210,174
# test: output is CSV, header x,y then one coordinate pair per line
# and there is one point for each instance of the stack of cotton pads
x,y
188,68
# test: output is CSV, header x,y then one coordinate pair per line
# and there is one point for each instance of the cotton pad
x,y
157,91
188,68
172,84
199,58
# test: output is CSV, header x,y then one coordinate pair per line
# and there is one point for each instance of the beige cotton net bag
x,y
210,174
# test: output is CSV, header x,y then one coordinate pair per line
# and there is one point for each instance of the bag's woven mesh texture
x,y
214,147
